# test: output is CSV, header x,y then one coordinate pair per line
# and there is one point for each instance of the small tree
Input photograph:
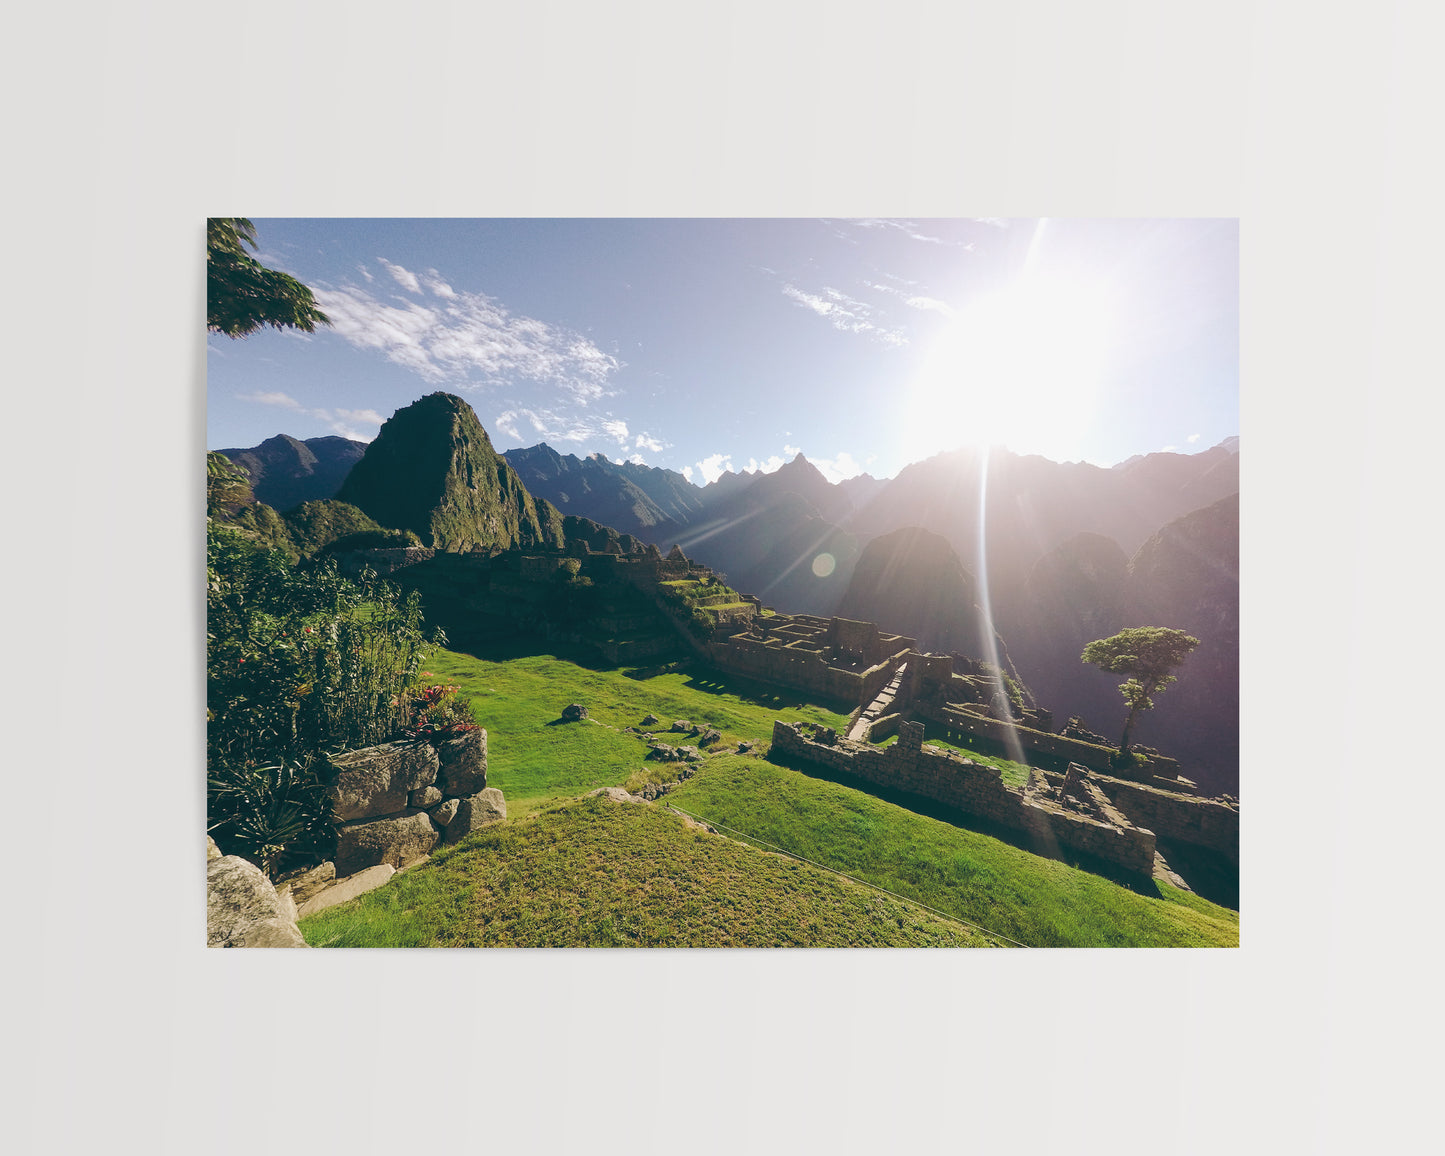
x,y
1148,655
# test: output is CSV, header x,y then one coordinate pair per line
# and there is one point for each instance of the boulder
x,y
397,840
304,884
475,812
709,736
574,713
212,851
690,753
379,780
463,764
651,720
243,909
425,798
348,888
616,794
663,753
682,725
443,815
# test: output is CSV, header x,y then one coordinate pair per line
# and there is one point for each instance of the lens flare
x,y
824,564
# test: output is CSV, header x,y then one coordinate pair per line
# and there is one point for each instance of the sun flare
x,y
1020,367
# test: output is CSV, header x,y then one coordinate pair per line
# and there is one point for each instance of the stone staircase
x,y
878,708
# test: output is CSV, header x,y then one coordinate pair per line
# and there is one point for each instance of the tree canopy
x,y
242,295
1148,655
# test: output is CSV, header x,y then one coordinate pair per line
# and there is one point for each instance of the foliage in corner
x,y
243,295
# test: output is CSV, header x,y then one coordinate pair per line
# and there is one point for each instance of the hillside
x,y
603,873
432,470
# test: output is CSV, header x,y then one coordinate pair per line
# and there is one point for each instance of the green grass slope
x,y
599,873
566,873
1036,901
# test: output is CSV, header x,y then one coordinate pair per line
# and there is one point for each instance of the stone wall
x,y
386,562
395,803
1058,748
1081,825
1210,823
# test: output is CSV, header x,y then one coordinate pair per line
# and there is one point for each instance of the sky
x,y
702,345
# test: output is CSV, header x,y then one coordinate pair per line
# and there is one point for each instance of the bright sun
x,y
1019,367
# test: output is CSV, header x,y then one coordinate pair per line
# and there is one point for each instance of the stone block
x,y
475,812
348,888
396,840
379,780
306,884
425,798
463,764
443,815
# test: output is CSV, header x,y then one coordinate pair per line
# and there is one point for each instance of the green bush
x,y
300,662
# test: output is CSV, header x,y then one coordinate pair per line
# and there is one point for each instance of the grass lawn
x,y
975,877
598,873
564,872
533,755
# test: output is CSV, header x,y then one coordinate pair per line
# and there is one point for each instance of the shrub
x,y
299,662
438,713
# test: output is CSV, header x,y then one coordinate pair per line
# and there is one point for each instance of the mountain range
x,y
1060,553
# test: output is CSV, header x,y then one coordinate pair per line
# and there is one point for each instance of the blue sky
x,y
701,345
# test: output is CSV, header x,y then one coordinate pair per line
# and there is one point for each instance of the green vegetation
x,y
1148,655
1013,774
243,295
533,755
598,873
299,663
316,524
974,877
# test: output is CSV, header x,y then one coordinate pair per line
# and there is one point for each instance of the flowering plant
x,y
437,712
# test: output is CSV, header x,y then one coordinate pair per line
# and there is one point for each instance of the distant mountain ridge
x,y
285,472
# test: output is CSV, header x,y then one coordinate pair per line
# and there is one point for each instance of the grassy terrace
x,y
593,872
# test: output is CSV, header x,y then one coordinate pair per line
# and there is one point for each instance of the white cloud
x,y
1192,438
507,423
439,287
687,472
637,460
930,303
844,313
468,335
646,441
712,468
348,423
617,430
362,269
838,468
404,278
284,400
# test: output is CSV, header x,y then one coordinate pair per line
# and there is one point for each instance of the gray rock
x,y
663,753
212,851
463,763
574,713
443,815
379,780
397,840
616,794
651,720
475,812
243,909
304,884
348,888
425,798
709,736
682,725
691,754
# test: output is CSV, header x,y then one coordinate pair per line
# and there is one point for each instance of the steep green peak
x,y
432,470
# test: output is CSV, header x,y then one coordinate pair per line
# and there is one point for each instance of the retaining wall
x,y
973,789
